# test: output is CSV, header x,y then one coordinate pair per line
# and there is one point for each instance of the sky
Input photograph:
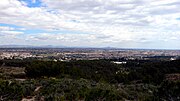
x,y
148,24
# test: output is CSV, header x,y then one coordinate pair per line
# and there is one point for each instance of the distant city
x,y
67,54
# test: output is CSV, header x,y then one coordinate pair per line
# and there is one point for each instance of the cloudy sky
x,y
91,23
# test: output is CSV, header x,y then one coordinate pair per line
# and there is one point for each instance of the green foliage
x,y
94,80
39,69
105,71
153,71
168,91
93,70
70,89
10,90
15,62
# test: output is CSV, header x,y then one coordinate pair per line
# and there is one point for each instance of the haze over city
x,y
147,24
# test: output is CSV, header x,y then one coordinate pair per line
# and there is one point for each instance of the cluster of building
x,y
15,55
66,54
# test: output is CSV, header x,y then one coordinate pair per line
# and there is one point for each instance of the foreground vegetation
x,y
97,80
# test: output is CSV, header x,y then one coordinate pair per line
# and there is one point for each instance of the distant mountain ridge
x,y
31,46
54,46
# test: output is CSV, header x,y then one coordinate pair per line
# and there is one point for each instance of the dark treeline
x,y
15,62
99,70
104,70
152,71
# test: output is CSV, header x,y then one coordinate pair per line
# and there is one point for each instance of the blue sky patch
x,y
10,25
177,18
32,3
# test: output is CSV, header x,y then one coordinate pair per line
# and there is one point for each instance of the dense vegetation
x,y
104,70
70,89
92,80
92,70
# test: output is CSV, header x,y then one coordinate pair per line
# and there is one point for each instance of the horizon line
x,y
80,47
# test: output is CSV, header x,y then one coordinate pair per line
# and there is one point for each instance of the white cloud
x,y
5,28
9,31
108,22
33,1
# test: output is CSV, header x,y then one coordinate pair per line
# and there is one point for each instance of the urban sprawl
x,y
67,54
